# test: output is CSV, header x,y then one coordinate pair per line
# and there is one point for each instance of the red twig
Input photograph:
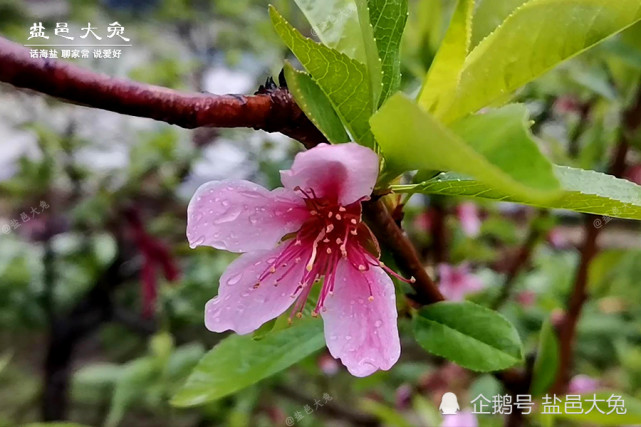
x,y
272,111
405,255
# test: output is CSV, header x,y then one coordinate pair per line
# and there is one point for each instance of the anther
x,y
256,285
299,315
314,313
412,279
361,267
272,269
371,298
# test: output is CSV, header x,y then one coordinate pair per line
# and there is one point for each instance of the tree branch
x,y
405,255
592,229
273,110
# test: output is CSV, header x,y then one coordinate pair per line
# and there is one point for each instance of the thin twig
x,y
520,262
405,255
272,111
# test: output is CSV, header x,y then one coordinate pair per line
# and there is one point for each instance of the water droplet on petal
x,y
378,323
234,279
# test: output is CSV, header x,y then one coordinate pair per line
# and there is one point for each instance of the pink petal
x,y
241,216
470,220
345,172
464,418
362,333
242,308
456,282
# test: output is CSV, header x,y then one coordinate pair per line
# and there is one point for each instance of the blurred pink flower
x,y
634,174
567,104
526,298
328,365
464,418
456,282
424,221
468,214
404,396
297,235
557,239
583,384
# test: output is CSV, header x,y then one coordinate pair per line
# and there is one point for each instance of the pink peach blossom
x,y
583,384
468,215
456,282
309,231
464,418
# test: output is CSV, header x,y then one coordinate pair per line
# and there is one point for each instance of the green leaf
x,y
335,22
546,364
489,14
583,191
470,335
387,19
343,79
443,76
240,361
535,38
495,148
372,59
311,99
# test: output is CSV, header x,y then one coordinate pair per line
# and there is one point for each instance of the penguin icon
x,y
449,404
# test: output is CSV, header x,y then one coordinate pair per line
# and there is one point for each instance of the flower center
x,y
332,232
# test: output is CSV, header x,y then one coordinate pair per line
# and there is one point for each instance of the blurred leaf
x,y
134,382
547,360
535,38
583,191
443,76
335,22
470,335
603,265
343,79
183,359
387,19
55,424
239,361
311,99
496,148
387,414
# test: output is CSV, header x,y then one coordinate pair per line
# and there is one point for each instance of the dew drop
x,y
234,279
229,216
